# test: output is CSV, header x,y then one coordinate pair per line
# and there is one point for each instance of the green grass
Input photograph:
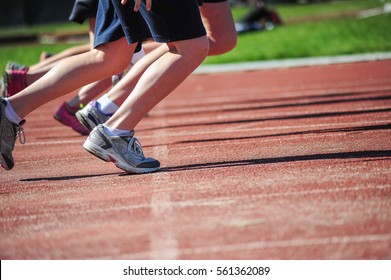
x,y
323,38
43,29
294,12
27,54
308,31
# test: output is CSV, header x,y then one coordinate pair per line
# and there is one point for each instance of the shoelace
x,y
20,135
135,145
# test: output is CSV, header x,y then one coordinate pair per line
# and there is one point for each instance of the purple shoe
x,y
68,118
11,65
14,81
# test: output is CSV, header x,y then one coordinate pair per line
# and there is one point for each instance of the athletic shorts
x,y
168,21
83,10
209,1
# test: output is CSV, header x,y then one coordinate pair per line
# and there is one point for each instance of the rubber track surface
x,y
270,164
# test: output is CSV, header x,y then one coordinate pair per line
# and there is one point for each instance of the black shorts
x,y
83,10
168,21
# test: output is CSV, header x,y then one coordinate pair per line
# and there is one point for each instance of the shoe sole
x,y
6,160
59,120
103,155
95,150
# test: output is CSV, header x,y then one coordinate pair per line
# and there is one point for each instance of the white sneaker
x,y
125,151
8,134
90,116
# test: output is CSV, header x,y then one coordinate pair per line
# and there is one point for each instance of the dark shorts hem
x,y
83,10
169,21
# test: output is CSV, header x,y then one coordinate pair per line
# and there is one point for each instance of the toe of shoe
x,y
149,163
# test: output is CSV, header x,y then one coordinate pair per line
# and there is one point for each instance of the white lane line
x,y
288,63
239,128
60,142
307,242
163,243
252,128
213,202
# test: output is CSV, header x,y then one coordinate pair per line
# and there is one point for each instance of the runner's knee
x,y
197,48
111,61
223,44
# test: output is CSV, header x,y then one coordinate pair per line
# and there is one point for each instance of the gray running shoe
x,y
8,134
125,151
116,78
90,116
3,88
11,65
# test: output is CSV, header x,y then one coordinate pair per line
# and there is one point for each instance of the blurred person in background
x,y
258,18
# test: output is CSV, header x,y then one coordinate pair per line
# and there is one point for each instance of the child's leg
x,y
51,61
160,79
120,91
73,73
88,93
218,21
100,111
220,27
59,56
115,140
36,71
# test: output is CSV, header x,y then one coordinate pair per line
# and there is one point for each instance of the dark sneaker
x,y
11,65
8,134
64,116
125,151
44,56
90,116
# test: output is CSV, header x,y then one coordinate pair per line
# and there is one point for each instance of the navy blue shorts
x,y
168,21
83,10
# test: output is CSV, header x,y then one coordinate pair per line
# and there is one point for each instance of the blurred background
x,y
271,29
25,12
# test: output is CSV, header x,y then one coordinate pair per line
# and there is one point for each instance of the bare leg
x,y
89,92
160,79
120,91
36,71
219,24
51,61
61,55
220,27
73,73
35,74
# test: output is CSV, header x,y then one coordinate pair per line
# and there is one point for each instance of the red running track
x,y
271,164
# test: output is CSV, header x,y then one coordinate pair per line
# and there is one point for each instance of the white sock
x,y
106,106
115,131
10,114
137,56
